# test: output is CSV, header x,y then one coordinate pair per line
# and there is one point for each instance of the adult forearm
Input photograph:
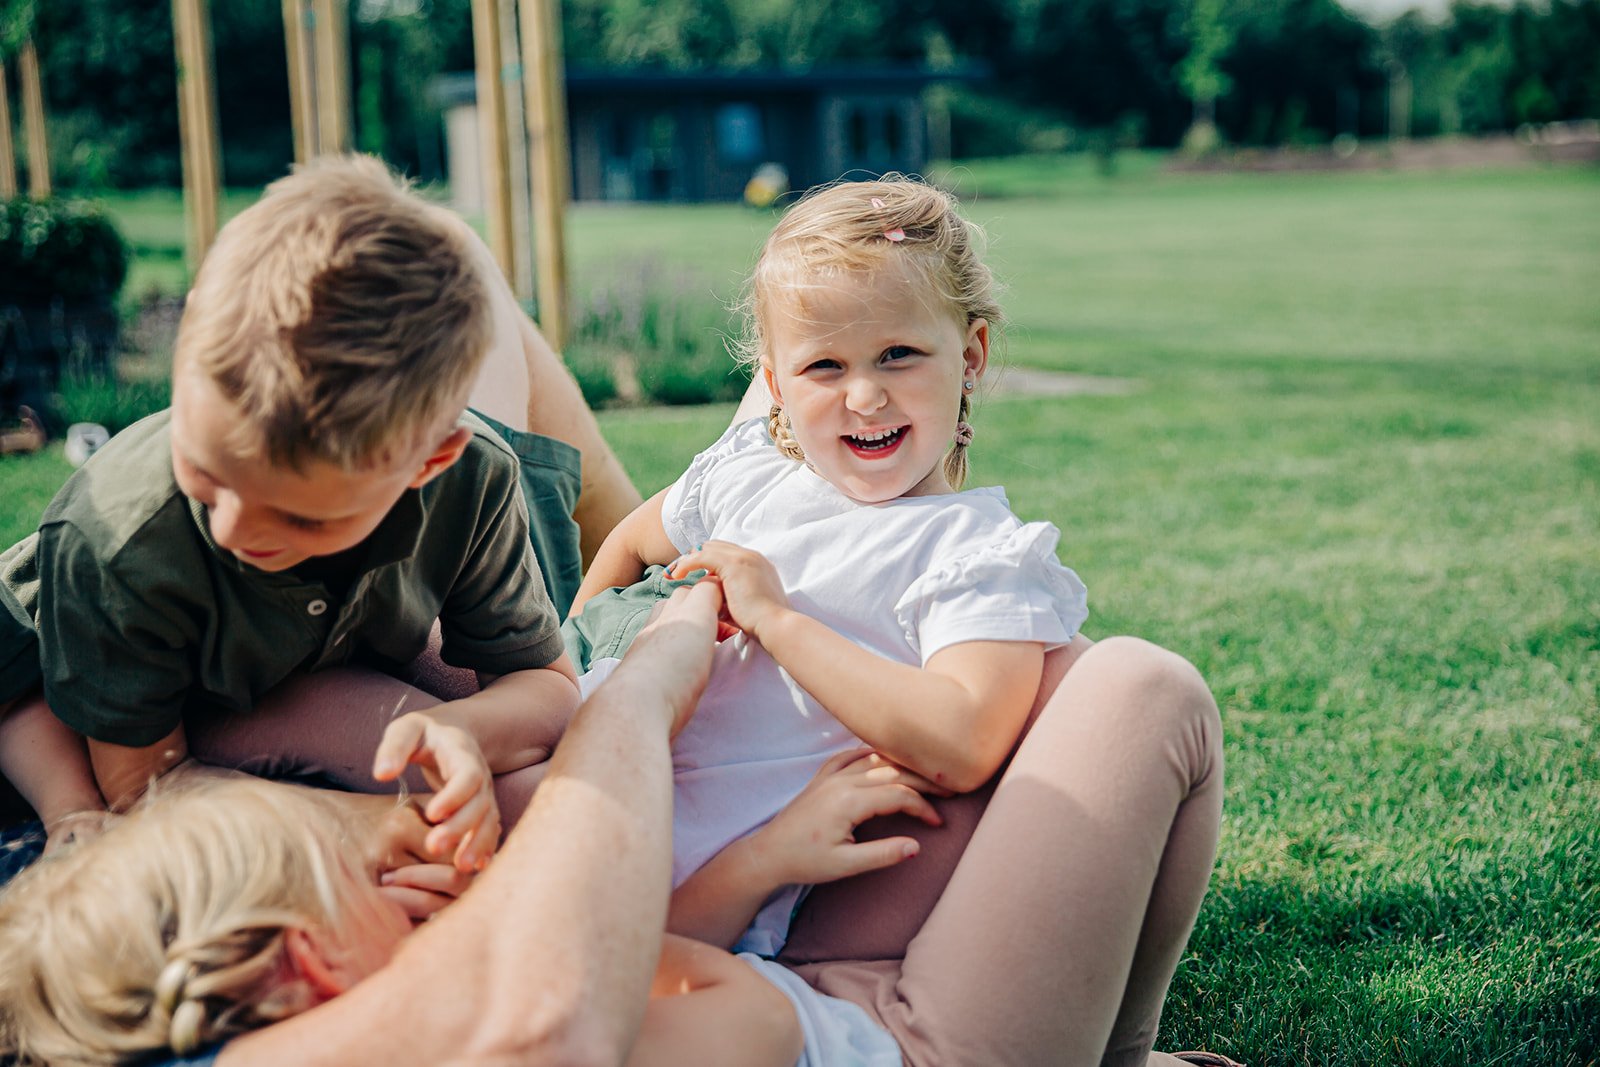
x,y
547,958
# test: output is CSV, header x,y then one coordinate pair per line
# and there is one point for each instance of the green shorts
x,y
611,620
552,476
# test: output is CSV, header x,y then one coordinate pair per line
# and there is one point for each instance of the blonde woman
x,y
219,906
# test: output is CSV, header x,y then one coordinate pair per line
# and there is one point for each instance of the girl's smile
x,y
870,374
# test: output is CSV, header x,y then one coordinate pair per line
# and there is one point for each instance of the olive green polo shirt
x,y
142,619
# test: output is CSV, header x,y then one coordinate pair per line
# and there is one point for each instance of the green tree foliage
x,y
1276,70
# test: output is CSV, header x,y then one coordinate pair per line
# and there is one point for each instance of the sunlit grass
x,y
1358,483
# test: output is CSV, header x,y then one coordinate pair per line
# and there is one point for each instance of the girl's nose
x,y
864,395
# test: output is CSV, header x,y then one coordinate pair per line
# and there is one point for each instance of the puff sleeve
x,y
1011,589
689,510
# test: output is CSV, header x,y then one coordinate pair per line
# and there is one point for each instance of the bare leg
x,y
327,726
525,385
1058,934
708,1007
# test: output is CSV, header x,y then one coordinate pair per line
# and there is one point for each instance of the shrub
x,y
59,250
650,333
114,405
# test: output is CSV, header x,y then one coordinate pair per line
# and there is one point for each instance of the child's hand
x,y
462,810
404,869
813,839
751,589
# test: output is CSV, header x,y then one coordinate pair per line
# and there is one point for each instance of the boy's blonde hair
x,y
343,315
857,228
168,931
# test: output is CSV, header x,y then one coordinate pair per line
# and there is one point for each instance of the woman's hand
x,y
462,810
751,590
813,839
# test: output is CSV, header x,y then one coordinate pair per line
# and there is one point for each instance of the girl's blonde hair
x,y
856,228
168,931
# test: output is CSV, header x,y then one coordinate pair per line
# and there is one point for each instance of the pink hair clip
x,y
896,234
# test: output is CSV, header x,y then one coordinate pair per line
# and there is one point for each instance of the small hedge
x,y
56,249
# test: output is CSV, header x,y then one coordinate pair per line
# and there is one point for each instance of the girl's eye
x,y
897,352
823,364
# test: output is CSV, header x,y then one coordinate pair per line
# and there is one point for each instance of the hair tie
x,y
172,983
963,434
897,234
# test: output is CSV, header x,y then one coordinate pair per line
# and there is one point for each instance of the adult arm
x,y
549,957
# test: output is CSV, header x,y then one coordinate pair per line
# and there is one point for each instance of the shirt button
x,y
316,607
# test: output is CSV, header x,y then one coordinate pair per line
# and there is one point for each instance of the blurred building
x,y
687,136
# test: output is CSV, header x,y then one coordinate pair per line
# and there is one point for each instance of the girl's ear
x,y
312,959
772,383
976,353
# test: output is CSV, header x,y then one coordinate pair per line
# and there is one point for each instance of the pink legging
x,y
326,727
1041,924
1053,935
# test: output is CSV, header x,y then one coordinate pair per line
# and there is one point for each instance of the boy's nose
x,y
229,527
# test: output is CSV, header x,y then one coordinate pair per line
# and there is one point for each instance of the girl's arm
x,y
637,541
952,721
811,840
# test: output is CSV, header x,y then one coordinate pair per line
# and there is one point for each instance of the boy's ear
x,y
976,353
444,453
310,958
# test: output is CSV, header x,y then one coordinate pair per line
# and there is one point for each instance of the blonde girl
x,y
223,905
874,601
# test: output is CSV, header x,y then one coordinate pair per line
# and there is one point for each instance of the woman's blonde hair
x,y
168,930
855,228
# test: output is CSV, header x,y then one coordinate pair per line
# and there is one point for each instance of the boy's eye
x,y
302,523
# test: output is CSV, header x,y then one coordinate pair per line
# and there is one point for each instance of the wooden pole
x,y
33,120
8,150
492,130
547,159
302,75
333,75
197,124
517,154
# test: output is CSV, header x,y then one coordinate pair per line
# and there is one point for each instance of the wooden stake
x,y
492,130
302,79
547,159
8,151
197,124
33,121
332,35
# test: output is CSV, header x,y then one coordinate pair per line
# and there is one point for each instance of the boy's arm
x,y
124,773
516,718
47,762
638,541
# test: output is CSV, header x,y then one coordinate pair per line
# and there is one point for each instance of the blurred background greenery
x,y
1063,74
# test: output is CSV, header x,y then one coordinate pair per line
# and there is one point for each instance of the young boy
x,y
316,496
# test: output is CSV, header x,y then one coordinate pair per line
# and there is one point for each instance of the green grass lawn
x,y
1358,483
